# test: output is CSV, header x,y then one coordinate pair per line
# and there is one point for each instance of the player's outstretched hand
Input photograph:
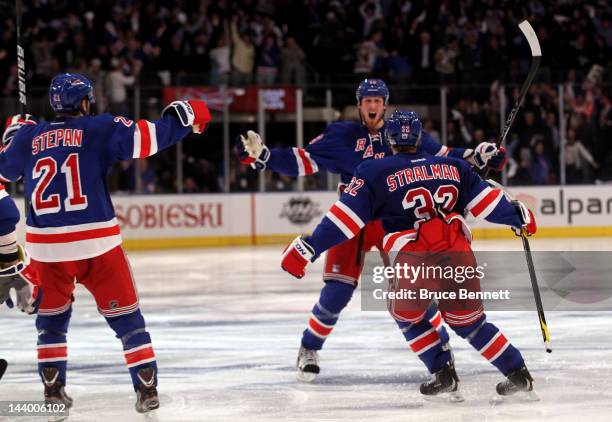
x,y
251,150
192,113
13,124
296,256
527,219
487,154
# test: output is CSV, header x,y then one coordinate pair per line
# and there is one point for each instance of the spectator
x,y
522,175
370,12
293,66
423,57
98,76
446,60
370,54
577,172
268,61
243,55
540,167
220,62
117,83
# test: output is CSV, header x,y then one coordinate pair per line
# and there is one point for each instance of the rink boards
x,y
172,221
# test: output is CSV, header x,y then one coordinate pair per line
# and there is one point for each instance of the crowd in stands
x,y
463,44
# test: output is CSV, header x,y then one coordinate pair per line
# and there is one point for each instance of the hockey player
x,y
14,272
14,260
72,233
421,200
340,149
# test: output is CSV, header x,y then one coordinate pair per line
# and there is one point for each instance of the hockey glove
x,y
485,152
498,161
13,124
296,256
192,113
251,150
16,276
528,222
28,296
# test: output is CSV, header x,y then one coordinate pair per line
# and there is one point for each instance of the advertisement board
x,y
164,221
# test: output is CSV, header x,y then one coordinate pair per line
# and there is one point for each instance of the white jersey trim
x,y
58,251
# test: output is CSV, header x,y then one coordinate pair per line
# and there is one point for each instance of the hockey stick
x,y
21,74
3,366
21,78
536,54
532,275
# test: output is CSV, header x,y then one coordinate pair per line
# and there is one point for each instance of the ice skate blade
x,y
306,376
148,407
520,397
452,397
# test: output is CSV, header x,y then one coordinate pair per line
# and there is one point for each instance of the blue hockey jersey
x,y
64,165
341,148
404,190
9,217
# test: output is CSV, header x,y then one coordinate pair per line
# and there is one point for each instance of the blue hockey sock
x,y
335,295
428,339
492,345
52,347
137,347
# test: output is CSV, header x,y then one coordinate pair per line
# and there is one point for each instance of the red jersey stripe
x,y
485,202
306,161
74,236
346,219
145,138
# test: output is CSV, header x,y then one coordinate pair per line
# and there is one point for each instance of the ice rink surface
x,y
226,325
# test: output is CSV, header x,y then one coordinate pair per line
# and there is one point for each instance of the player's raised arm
x,y
483,201
344,220
486,154
145,138
321,152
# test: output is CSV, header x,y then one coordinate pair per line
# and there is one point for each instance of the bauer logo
x,y
300,210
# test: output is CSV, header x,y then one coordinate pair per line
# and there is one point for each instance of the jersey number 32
x,y
45,170
427,206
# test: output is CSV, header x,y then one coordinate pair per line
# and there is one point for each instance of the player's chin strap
x,y
24,261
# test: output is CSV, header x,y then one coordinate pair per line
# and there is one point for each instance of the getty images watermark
x,y
568,280
410,282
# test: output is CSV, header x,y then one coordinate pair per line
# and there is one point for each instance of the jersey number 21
x,y
45,169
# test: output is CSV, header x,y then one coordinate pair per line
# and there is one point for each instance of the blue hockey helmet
x,y
67,90
403,128
372,88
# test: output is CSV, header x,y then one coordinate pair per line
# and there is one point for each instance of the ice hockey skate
x,y
146,395
519,381
55,393
444,381
307,365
